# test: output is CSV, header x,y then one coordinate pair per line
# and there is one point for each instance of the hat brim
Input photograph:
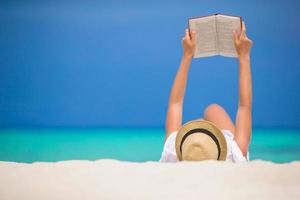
x,y
201,124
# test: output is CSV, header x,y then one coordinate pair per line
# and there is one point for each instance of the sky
x,y
112,64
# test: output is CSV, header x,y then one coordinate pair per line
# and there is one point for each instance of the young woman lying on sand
x,y
214,137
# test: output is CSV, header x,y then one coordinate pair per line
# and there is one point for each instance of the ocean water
x,y
137,145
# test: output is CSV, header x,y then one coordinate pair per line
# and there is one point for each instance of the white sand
x,y
110,179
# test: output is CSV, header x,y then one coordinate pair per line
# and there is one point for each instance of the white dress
x,y
234,153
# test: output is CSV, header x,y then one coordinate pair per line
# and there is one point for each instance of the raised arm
x,y
243,126
174,114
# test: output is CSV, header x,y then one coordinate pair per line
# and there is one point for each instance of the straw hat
x,y
200,140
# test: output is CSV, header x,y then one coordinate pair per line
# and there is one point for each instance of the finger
x,y
243,33
187,34
244,26
248,39
193,36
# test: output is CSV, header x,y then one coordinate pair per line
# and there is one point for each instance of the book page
x,y
225,27
205,28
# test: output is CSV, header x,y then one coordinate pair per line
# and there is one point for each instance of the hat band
x,y
206,132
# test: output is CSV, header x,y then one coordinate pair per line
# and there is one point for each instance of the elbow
x,y
246,107
246,103
176,101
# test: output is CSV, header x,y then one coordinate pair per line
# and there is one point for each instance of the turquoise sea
x,y
138,145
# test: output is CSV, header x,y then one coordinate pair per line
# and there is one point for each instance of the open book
x,y
214,34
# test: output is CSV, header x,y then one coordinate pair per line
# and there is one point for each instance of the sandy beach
x,y
111,179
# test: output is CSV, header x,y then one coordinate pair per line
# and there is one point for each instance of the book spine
x,y
241,22
217,37
189,28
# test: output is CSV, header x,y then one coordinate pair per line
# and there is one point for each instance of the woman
x,y
237,135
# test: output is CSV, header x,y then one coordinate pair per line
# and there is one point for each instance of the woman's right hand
x,y
242,43
189,44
